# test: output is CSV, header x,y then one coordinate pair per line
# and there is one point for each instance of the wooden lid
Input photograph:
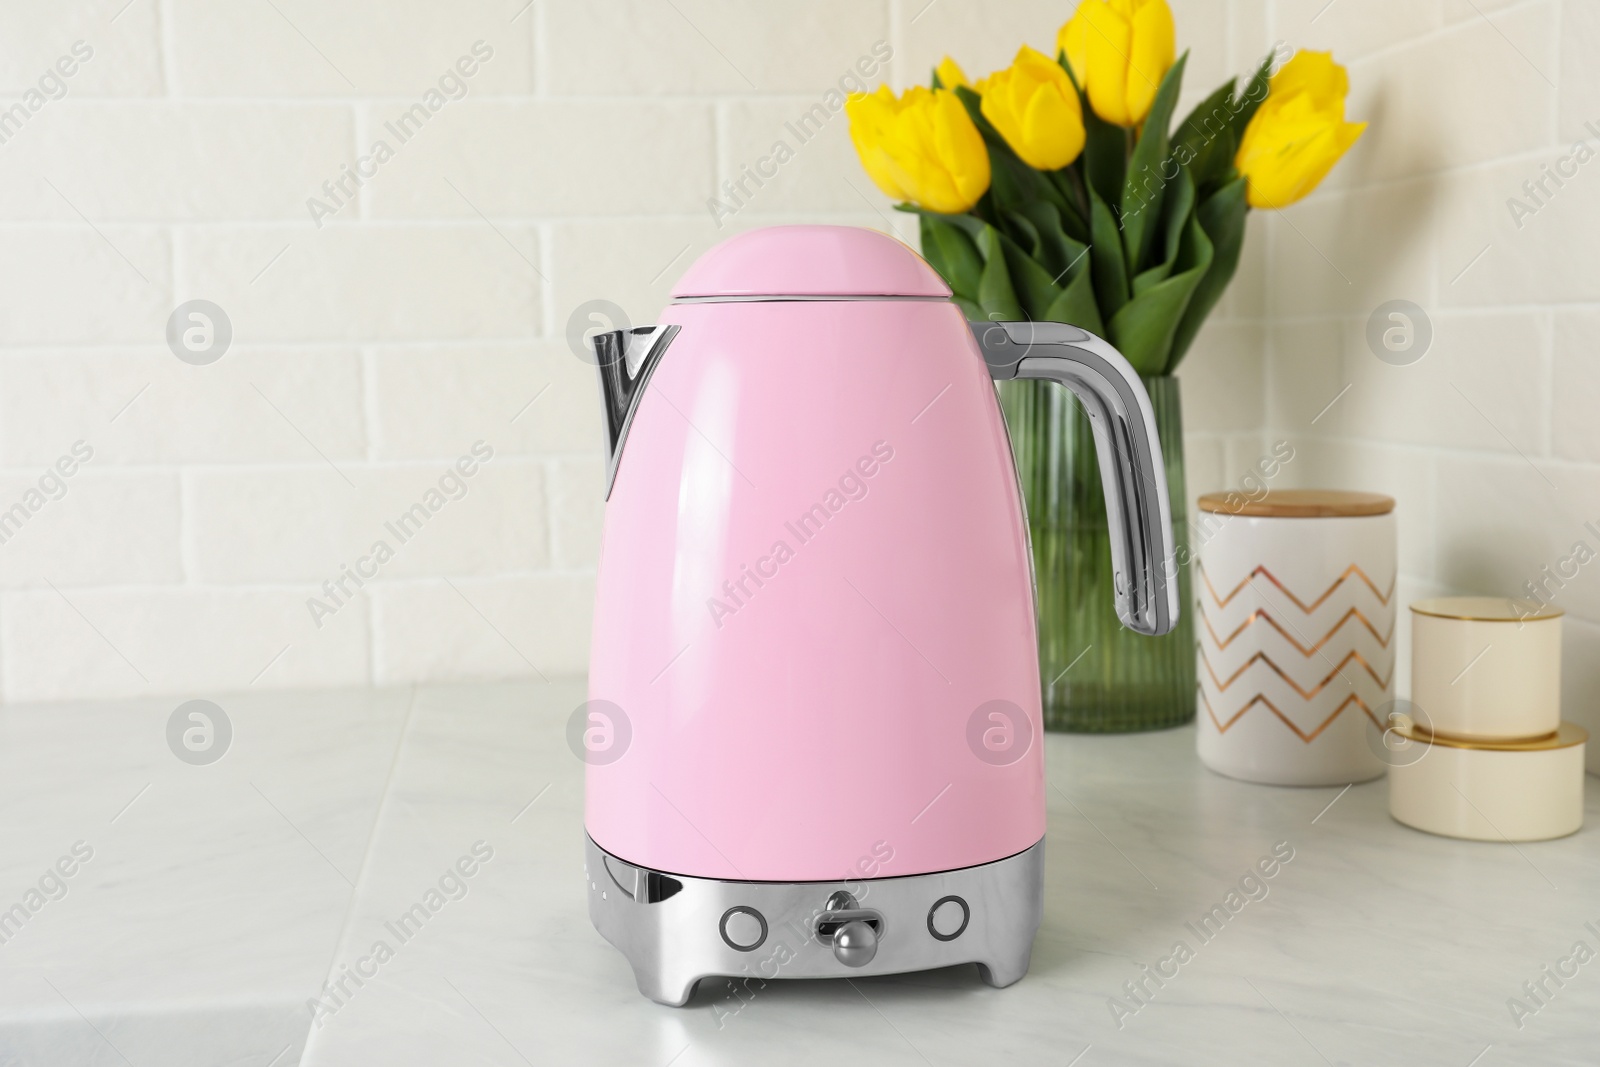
x,y
1299,504
1486,609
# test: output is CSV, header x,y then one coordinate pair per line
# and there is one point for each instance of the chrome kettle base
x,y
676,930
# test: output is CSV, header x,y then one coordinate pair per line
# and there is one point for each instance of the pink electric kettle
x,y
814,658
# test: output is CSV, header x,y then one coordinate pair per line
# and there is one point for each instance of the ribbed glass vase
x,y
1098,677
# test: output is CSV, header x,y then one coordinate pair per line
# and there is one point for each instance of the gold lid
x,y
1299,504
1486,609
1565,736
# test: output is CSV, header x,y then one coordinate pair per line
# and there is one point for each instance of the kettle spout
x,y
626,359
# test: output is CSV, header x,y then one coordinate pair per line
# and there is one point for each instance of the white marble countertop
x,y
218,899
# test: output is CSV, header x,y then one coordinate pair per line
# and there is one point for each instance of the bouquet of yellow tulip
x,y
1059,190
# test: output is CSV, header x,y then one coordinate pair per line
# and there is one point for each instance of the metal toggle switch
x,y
852,930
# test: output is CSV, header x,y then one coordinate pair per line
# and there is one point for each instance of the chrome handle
x,y
1138,513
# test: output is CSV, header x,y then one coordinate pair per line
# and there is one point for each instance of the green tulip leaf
x,y
1222,216
1204,143
1076,305
1015,185
1208,117
1063,256
1070,210
1249,101
984,211
951,252
1024,232
1175,217
1035,289
1175,211
970,225
1145,279
1213,166
1195,249
1105,154
1144,328
995,295
1139,206
1110,271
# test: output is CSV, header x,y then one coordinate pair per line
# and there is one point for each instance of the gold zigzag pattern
x,y
1259,698
1224,601
1262,657
1265,616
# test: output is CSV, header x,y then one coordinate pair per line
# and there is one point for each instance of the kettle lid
x,y
802,261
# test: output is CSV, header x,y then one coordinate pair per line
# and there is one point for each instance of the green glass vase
x,y
1097,676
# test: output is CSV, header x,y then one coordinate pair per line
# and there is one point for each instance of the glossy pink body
x,y
814,571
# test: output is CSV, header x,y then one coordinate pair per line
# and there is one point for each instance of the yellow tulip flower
x,y
1034,107
1298,133
950,73
921,146
1311,72
1119,51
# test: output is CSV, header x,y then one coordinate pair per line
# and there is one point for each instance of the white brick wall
x,y
372,351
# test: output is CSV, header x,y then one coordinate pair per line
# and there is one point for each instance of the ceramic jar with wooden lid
x,y
1295,619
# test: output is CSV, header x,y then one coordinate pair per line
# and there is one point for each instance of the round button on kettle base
x,y
744,929
947,919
